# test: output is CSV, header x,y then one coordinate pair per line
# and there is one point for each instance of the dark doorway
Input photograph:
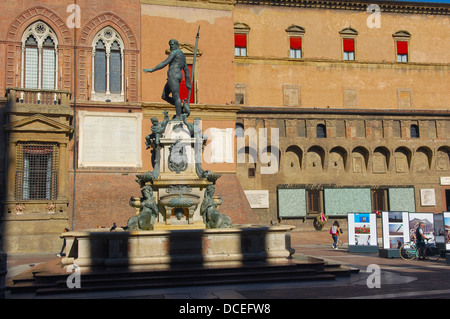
x,y
379,200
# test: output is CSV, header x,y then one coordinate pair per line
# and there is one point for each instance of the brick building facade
x,y
361,112
359,95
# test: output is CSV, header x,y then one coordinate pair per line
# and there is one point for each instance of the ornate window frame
x,y
37,171
401,36
241,29
108,36
348,34
40,31
295,31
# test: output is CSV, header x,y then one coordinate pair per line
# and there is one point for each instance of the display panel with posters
x,y
395,229
362,232
447,229
439,230
428,220
362,229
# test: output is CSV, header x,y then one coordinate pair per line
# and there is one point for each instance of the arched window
x,y
48,64
321,131
415,131
239,128
108,68
100,68
39,69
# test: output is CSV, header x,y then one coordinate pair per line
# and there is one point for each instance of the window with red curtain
x,y
296,47
402,51
349,49
240,44
349,45
184,92
296,43
240,40
402,47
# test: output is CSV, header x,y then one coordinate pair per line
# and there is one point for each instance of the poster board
x,y
362,229
428,220
439,230
395,229
447,229
362,233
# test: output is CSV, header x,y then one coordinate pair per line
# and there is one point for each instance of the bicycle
x,y
410,251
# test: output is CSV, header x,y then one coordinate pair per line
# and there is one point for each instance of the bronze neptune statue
x,y
176,62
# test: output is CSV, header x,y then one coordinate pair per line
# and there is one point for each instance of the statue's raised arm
x,y
177,63
163,64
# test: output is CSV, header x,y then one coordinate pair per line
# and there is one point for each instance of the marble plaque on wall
x,y
257,198
221,148
110,139
427,197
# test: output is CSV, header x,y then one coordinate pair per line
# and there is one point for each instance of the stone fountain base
x,y
163,249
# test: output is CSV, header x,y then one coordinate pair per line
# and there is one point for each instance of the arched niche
x,y
360,158
292,159
315,158
402,158
337,160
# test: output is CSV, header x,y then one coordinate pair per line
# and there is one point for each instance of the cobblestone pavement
x,y
398,279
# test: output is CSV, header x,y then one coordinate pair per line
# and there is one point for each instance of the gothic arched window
x,y
107,70
39,68
415,131
321,131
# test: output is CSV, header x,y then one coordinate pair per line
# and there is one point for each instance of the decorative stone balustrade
x,y
19,96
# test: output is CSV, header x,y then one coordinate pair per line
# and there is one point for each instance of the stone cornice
x,y
204,111
200,4
266,111
336,63
359,5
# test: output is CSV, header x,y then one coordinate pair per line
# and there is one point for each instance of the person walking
x,y
334,231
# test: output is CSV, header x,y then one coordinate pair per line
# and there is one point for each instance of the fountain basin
x,y
163,249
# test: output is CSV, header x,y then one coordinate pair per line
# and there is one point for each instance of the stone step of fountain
x,y
152,283
48,283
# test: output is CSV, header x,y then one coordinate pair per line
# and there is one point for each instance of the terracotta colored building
x,y
77,108
354,100
359,94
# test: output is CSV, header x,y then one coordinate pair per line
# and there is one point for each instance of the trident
x,y
186,105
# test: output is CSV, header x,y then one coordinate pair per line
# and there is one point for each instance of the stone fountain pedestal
x,y
177,221
178,190
163,249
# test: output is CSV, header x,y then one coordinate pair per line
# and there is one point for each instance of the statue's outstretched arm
x,y
162,64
